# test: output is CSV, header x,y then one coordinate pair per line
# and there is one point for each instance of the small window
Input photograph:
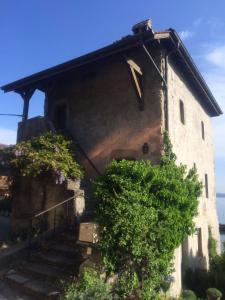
x,y
203,130
182,117
199,234
60,116
206,186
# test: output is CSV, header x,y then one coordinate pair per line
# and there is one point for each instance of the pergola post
x,y
26,95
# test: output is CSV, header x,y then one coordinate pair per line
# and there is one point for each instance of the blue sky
x,y
36,34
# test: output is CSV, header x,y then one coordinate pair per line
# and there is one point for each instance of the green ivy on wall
x,y
144,213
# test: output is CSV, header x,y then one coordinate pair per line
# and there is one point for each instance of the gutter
x,y
37,78
196,75
166,104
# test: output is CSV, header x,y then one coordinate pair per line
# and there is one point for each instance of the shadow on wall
x,y
191,261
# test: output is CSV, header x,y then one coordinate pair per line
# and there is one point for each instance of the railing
x,y
49,221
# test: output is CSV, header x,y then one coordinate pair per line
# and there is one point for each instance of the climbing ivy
x,y
144,213
44,157
212,246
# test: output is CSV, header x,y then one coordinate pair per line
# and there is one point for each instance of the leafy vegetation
x,y
144,213
212,246
213,294
189,295
47,156
201,280
90,286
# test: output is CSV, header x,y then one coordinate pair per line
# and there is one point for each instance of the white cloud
x,y
185,34
217,56
7,136
215,25
198,22
214,73
219,128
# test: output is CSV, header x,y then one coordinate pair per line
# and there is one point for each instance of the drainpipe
x,y
166,104
164,80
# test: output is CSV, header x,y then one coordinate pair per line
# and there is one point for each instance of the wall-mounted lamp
x,y
145,148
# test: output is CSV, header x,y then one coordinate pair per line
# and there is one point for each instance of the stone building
x,y
4,183
117,101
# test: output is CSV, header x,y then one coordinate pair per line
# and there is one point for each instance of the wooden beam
x,y
26,95
138,88
133,65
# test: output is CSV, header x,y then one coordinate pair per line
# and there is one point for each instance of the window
x,y
203,130
60,116
206,186
182,118
199,235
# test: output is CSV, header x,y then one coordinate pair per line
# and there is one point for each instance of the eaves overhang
x,y
122,45
168,37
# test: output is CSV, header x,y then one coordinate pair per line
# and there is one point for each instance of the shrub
x,y
213,294
90,286
198,281
212,246
144,213
47,156
189,295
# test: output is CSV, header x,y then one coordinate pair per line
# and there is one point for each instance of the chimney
x,y
142,27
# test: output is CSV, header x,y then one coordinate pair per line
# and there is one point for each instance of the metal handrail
x,y
37,239
52,207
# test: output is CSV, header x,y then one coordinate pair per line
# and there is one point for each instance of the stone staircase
x,y
41,276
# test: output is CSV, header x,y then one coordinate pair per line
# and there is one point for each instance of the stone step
x,y
68,250
44,272
68,238
56,260
36,288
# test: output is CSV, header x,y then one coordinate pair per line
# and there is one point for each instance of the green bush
x,y
212,246
198,281
201,280
213,293
90,286
127,282
47,156
188,295
144,213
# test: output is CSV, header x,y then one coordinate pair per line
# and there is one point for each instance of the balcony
x,y
33,127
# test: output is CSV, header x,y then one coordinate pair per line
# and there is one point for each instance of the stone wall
x,y
191,150
103,114
31,197
32,128
4,186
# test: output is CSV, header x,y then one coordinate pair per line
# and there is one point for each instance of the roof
x,y
168,38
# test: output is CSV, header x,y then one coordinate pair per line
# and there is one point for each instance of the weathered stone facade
x,y
31,197
192,150
103,114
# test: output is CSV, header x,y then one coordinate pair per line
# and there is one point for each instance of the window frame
x,y
203,130
206,186
182,112
200,244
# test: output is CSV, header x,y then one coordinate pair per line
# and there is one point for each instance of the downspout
x,y
166,104
164,80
